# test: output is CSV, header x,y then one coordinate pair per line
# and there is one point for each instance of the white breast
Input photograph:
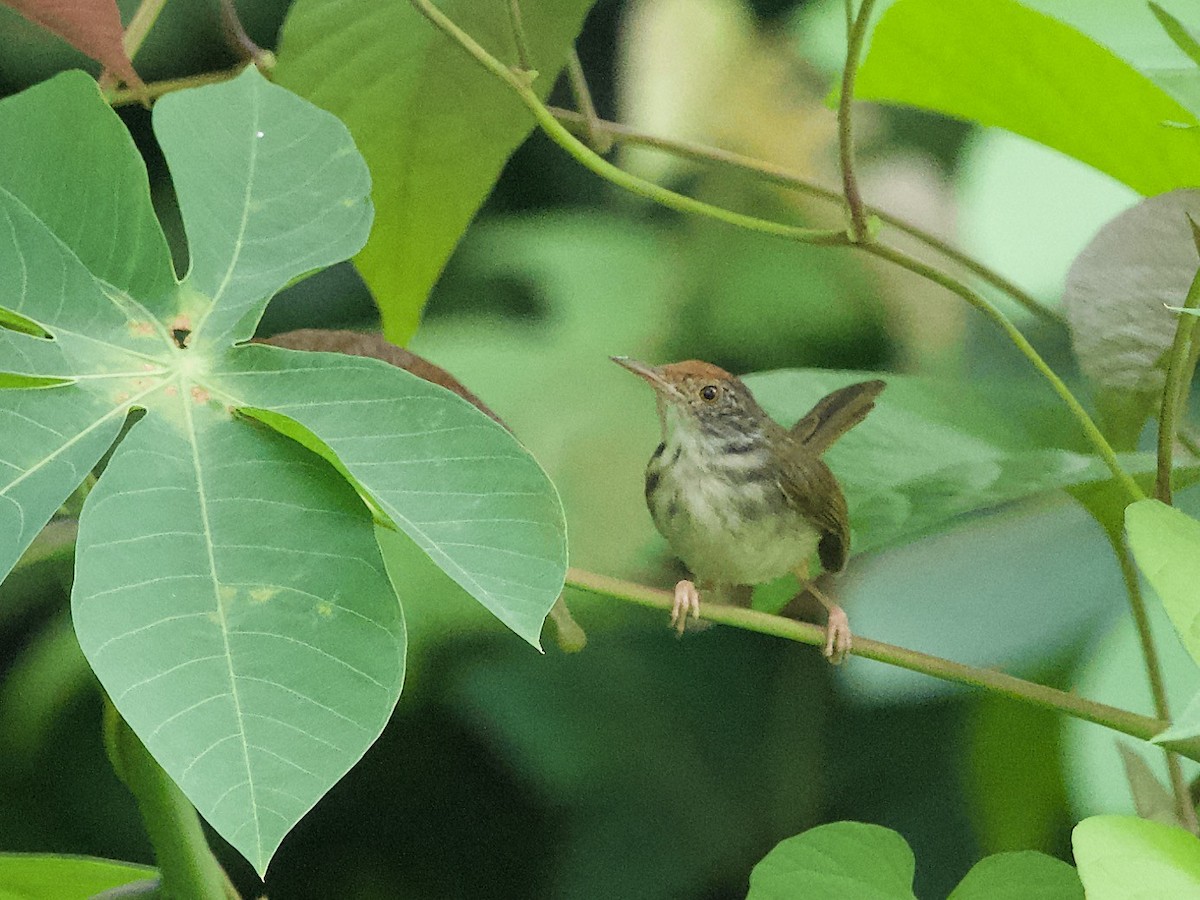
x,y
718,527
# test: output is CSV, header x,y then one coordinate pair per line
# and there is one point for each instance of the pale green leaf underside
x,y
228,588
1166,545
487,515
1120,857
841,859
414,101
1001,64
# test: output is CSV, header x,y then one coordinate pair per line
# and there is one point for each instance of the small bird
x,y
740,498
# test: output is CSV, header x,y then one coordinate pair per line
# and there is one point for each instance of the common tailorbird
x,y
740,498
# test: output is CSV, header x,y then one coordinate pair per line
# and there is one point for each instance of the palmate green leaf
x,y
841,859
41,876
415,102
1001,64
230,593
1120,857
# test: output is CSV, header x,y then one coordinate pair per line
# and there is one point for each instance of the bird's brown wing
x,y
811,488
835,414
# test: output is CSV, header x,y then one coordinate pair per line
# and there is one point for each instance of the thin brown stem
x,y
598,138
854,41
1137,606
235,33
524,60
772,174
1122,720
156,89
1180,366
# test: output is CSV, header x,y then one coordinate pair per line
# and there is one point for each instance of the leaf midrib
x,y
184,400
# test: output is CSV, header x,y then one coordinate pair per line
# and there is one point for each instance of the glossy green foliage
x,y
230,593
869,862
999,63
1121,857
433,125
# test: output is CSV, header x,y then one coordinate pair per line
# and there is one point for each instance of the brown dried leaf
x,y
355,343
90,26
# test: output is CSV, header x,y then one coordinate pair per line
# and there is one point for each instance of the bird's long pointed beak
x,y
651,374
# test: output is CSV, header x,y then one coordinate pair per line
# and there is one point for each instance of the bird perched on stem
x,y
740,498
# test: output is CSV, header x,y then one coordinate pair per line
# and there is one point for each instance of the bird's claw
x,y
687,599
838,639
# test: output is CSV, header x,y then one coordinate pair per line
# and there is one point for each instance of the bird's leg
x,y
687,599
838,639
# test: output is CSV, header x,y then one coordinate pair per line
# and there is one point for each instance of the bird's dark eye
x,y
709,392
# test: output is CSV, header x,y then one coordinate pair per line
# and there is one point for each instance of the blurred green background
x,y
648,766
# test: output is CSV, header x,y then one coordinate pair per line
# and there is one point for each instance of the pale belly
x,y
723,534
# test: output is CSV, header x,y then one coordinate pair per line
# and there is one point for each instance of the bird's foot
x,y
838,639
687,599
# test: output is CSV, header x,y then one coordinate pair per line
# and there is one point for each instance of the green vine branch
x,y
772,174
1181,363
592,161
981,303
156,89
1122,720
597,164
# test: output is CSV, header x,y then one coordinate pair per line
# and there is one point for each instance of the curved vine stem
x,y
1122,720
617,133
855,34
1089,427
1181,363
597,164
588,158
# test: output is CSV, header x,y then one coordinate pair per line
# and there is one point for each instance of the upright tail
x,y
836,414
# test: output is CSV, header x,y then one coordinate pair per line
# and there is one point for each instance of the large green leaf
x,y
434,126
230,593
841,859
1120,857
44,876
1001,64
